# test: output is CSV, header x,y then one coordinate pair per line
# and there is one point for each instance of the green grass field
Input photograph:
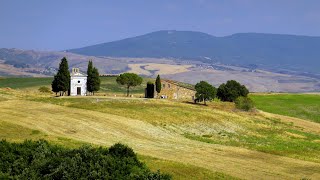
x,y
304,106
21,83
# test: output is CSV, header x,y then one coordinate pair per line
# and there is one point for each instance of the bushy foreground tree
x,y
158,84
231,91
41,160
205,91
93,80
244,103
61,81
129,80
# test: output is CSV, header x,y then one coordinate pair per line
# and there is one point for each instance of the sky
x,y
67,24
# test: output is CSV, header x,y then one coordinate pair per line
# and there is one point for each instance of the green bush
x,y
41,160
244,103
231,91
44,89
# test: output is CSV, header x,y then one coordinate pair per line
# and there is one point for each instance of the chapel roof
x,y
76,73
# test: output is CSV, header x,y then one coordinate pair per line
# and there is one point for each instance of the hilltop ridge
x,y
292,52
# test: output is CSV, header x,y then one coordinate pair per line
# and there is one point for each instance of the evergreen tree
x,y
158,84
89,78
61,82
64,76
54,85
95,80
150,90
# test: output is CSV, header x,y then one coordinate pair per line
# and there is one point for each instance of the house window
x,y
168,85
164,85
78,81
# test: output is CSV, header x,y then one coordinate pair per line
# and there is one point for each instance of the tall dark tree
x,y
158,84
205,91
90,83
129,80
95,80
231,91
61,82
150,90
54,85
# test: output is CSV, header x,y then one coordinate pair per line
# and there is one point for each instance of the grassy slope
x,y
174,131
17,133
174,124
21,83
208,124
105,129
304,106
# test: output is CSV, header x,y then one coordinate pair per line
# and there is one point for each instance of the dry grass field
x,y
152,69
189,141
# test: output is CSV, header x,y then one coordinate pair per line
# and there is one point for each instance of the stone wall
x,y
172,90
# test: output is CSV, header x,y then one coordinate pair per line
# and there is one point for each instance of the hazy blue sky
x,y
63,24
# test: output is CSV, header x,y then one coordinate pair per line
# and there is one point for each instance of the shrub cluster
x,y
244,103
41,160
231,91
44,89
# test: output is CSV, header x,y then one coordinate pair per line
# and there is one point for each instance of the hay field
x,y
216,140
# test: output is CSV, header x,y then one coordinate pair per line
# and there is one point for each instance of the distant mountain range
x,y
291,52
263,62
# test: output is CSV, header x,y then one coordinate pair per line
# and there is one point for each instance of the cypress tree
x,y
150,90
158,84
95,80
89,78
54,85
64,75
61,81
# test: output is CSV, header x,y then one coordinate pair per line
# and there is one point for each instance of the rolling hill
x,y
299,53
262,62
198,140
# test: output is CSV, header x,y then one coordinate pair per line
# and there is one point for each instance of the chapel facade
x,y
78,84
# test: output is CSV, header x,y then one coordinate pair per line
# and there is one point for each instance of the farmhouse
x,y
78,84
175,90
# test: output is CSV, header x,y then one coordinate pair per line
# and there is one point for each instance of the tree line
x,y
231,91
61,81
